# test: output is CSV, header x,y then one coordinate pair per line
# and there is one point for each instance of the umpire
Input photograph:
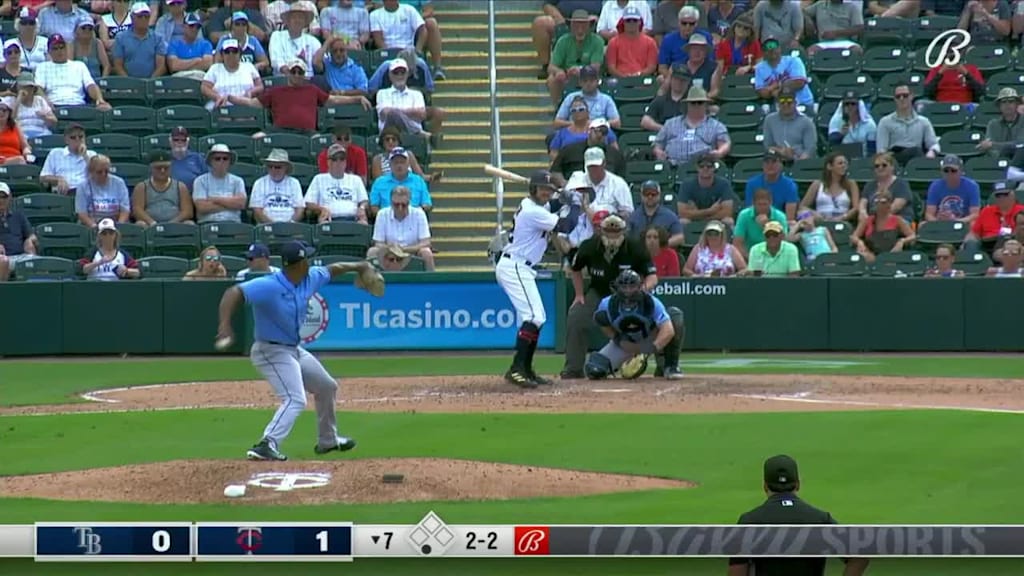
x,y
603,256
781,483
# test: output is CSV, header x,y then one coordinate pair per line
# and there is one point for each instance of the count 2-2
x,y
490,539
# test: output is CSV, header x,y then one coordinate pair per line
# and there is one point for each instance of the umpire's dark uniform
x,y
781,483
591,257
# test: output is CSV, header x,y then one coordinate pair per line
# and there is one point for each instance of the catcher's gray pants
x,y
291,372
617,356
577,331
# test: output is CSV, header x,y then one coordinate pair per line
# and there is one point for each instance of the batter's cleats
x,y
673,373
540,380
264,451
571,375
520,378
342,445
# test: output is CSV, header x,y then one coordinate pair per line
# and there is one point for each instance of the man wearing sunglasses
x,y
570,157
996,222
65,169
904,132
599,104
954,196
673,46
788,132
139,52
777,71
67,82
693,135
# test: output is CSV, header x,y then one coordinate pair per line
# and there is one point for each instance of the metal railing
x,y
497,183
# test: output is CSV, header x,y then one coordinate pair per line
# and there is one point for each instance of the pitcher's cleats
x,y
264,451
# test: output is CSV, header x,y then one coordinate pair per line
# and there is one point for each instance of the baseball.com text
x,y
689,289
365,315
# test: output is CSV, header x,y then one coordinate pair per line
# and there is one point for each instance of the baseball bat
x,y
493,170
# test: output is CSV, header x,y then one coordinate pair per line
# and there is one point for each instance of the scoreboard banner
x,y
432,537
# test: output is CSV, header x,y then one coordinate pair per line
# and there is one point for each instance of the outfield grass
x,y
866,467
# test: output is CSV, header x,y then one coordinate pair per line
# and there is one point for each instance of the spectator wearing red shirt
x,y
997,220
357,162
294,106
666,259
738,48
631,52
960,84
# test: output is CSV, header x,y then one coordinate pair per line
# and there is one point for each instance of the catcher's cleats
x,y
634,367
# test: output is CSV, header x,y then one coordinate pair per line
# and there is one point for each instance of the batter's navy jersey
x,y
636,324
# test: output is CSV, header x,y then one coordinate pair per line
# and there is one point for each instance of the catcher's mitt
x,y
371,281
634,367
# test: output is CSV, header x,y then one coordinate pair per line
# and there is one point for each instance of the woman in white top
x,y
835,196
114,22
1013,255
713,256
33,46
108,261
31,109
336,194
231,77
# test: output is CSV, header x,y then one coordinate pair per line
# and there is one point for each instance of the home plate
x,y
612,390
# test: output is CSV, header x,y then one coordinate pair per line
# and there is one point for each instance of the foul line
x,y
802,398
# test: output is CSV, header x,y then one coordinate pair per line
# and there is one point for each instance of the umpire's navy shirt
x,y
14,230
279,307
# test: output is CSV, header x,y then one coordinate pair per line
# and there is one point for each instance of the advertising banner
x,y
432,316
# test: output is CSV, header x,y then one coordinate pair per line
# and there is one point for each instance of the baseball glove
x,y
635,367
371,281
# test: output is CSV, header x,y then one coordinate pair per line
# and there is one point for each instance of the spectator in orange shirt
x,y
739,48
961,84
631,52
997,220
357,163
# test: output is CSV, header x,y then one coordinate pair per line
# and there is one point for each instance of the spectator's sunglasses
x,y
297,71
88,27
717,233
341,138
60,46
950,170
75,136
687,22
339,158
399,72
854,103
706,165
766,234
881,200
770,45
27,22
389,138
651,193
781,101
230,51
240,23
902,95
881,165
602,129
576,109
212,257
276,166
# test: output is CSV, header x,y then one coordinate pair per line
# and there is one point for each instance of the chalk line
x,y
898,405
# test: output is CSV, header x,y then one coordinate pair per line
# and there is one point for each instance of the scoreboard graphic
x,y
432,537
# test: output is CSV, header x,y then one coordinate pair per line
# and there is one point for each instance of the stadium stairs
x,y
464,217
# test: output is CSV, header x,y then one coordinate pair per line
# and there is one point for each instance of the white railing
x,y
498,183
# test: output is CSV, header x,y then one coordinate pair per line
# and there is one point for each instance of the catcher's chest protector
x,y
637,322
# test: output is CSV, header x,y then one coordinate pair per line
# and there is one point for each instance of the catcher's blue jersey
x,y
635,323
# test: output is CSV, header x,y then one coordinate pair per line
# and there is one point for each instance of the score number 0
x,y
161,541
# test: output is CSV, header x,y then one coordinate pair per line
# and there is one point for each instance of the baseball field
x,y
926,439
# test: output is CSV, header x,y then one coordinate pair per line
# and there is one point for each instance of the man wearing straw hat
x,y
1002,134
277,197
694,134
219,195
277,12
294,43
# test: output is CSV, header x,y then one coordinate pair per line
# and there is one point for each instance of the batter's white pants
x,y
519,282
292,371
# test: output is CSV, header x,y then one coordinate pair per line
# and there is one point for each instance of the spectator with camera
x,y
851,123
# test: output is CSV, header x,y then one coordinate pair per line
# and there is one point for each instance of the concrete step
x,y
514,165
507,126
452,229
477,98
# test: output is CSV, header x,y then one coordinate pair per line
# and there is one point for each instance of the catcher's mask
x,y
629,287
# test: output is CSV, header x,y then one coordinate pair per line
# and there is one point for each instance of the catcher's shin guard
x,y
598,366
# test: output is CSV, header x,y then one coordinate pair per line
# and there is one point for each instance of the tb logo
x,y
951,52
88,541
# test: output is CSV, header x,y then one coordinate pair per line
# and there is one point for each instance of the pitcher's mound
x,y
320,482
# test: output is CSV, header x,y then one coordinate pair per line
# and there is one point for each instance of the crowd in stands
x,y
791,137
74,76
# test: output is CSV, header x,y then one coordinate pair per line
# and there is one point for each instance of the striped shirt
x,y
72,167
53,21
683,142
65,83
345,22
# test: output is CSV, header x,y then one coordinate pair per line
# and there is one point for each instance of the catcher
x,y
638,325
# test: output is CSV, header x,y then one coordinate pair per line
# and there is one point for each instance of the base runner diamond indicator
x,y
419,536
444,536
431,536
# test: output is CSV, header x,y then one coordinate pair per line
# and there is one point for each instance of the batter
x,y
279,303
532,229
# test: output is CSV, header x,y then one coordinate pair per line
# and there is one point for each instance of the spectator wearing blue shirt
x,y
138,52
954,196
673,46
253,51
191,54
343,74
171,24
186,164
601,105
598,132
775,71
400,175
782,187
419,78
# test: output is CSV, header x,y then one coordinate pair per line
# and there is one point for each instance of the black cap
x,y
1000,188
542,178
772,155
588,71
295,251
780,473
850,96
159,155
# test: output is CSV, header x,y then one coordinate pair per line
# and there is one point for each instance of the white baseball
x,y
223,343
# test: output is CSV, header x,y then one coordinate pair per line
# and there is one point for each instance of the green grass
x,y
28,383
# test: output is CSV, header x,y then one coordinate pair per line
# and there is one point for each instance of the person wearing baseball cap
x,y
776,256
18,240
258,256
673,46
792,134
599,104
953,196
186,163
573,51
611,190
75,81
653,213
781,483
219,195
356,162
160,198
173,22
776,71
188,53
569,146
401,174
630,52
338,194
240,20
997,221
139,52
1002,134
31,45
395,103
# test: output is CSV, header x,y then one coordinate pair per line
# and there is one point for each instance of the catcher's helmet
x,y
629,285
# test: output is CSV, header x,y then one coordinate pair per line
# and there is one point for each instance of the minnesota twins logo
x,y
249,539
954,41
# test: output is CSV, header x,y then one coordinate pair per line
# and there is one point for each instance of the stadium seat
x,y
117,146
41,145
838,84
173,239
862,170
921,171
984,112
231,238
274,81
692,231
838,265
881,109
931,234
175,90
163,267
21,178
972,263
744,170
826,108
803,172
641,141
150,142
746,144
909,262
360,120
232,264
124,90
986,171
989,58
63,240
134,120
882,60
342,239
91,119
635,89
131,172
46,268
924,30
946,116
630,115
887,85
242,145
824,63
43,208
638,171
1005,79
195,118
133,238
243,119
737,89
363,58
840,231
740,115
296,145
248,172
279,233
416,144
304,172
416,264
963,143
885,32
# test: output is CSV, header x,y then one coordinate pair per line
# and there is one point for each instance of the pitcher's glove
x,y
634,367
370,280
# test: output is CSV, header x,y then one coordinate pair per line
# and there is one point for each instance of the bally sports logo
x,y
533,540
